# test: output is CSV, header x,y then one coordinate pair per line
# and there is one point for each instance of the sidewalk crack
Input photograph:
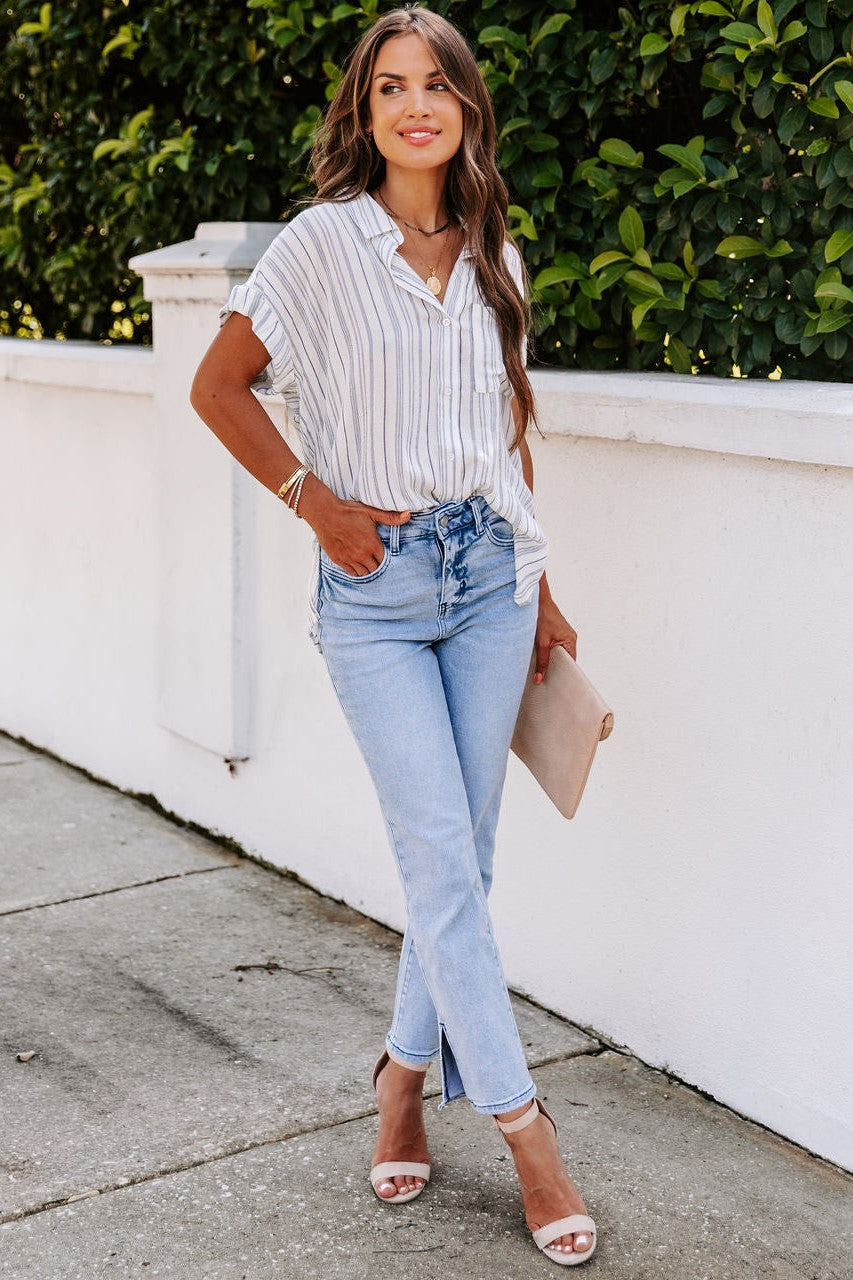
x,y
121,888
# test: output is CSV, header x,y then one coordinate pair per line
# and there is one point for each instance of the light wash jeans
x,y
428,655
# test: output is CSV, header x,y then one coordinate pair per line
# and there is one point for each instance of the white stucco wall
x,y
697,910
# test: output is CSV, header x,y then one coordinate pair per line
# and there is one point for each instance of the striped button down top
x,y
401,401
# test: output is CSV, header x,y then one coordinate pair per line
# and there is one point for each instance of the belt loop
x,y
478,517
394,544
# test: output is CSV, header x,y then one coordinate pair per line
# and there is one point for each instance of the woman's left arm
x,y
551,627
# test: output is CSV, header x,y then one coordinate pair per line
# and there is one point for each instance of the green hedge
x,y
680,174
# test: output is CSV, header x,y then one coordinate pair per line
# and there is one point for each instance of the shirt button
x,y
445,322
448,391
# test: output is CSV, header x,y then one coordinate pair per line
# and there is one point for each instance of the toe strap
x,y
398,1168
563,1227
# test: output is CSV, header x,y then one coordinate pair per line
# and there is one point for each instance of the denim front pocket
x,y
340,575
499,531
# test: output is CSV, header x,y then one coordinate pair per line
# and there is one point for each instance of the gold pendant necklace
x,y
433,282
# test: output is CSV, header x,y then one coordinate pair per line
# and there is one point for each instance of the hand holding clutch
x,y
560,723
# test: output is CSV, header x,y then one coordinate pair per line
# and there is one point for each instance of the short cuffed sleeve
x,y
264,308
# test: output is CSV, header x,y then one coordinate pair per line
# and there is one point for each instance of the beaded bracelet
x,y
297,493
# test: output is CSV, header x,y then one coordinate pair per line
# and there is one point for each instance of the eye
x,y
386,87
439,84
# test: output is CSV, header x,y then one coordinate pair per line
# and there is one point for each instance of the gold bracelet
x,y
294,506
300,472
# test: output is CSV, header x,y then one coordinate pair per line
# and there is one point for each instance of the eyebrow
x,y
392,75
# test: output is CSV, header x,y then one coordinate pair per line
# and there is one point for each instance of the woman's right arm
x,y
221,396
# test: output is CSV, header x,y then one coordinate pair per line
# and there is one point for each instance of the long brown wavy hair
x,y
345,162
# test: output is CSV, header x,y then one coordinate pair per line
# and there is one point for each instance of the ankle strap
x,y
510,1126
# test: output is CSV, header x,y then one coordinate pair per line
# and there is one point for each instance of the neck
x,y
418,197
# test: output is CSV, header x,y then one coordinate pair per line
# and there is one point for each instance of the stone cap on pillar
x,y
200,269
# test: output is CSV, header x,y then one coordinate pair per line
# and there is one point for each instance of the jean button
x,y
442,520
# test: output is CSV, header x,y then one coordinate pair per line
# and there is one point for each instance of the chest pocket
x,y
486,353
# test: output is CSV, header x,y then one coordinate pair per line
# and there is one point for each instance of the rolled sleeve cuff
x,y
248,299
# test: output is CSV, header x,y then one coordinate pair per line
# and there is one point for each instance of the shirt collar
x,y
372,220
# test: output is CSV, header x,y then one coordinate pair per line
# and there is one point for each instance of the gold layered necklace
x,y
433,280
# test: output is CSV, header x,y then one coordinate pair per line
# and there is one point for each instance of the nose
x,y
417,103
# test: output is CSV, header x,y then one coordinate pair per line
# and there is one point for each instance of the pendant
x,y
434,284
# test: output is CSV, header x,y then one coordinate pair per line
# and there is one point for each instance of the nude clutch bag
x,y
560,723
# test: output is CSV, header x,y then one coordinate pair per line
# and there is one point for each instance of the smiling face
x,y
415,117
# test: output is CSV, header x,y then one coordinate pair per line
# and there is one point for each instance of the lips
x,y
421,138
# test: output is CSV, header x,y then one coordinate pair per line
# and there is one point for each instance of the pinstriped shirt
x,y
401,401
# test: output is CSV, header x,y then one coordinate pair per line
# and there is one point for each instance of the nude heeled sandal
x,y
389,1169
561,1226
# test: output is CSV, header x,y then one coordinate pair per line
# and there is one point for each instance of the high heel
x,y
561,1226
389,1169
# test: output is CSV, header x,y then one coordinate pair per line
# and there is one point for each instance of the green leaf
x,y
517,122
603,63
139,120
550,27
793,31
839,243
686,157
829,321
549,173
652,44
741,33
554,275
835,345
605,259
539,142
676,20
631,230
764,17
687,254
844,90
615,151
740,247
585,313
638,314
679,355
667,271
503,35
834,290
824,107
644,283
525,225
764,99
790,123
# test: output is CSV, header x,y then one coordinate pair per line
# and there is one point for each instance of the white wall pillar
x,y
205,521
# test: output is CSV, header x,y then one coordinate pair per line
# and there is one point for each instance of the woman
x,y
391,316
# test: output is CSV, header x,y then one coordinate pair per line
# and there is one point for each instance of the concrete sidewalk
x,y
199,1101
